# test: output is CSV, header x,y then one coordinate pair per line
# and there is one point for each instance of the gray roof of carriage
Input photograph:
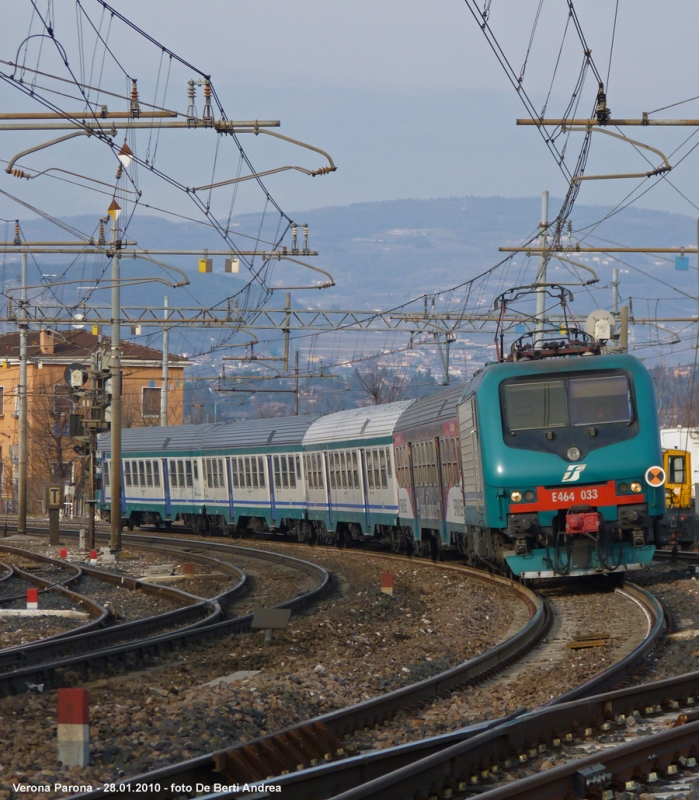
x,y
431,409
252,433
369,422
171,439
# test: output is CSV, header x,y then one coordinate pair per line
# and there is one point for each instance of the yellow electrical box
x,y
678,486
205,265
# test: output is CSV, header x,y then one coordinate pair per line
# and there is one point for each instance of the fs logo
x,y
573,473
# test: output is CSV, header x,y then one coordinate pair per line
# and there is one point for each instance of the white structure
x,y
683,439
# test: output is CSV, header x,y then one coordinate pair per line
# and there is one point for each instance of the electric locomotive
x,y
561,462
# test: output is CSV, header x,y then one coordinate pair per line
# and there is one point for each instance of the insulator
x,y
294,243
101,236
135,107
17,239
18,173
208,113
120,169
191,94
305,238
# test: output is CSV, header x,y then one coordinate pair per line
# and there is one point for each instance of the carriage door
x,y
166,486
365,489
327,485
413,491
231,506
441,505
272,489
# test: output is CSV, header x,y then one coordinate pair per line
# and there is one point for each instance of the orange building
x,y
51,452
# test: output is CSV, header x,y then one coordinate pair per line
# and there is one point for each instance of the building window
x,y
150,406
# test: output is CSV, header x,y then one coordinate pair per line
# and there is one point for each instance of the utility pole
x,y
296,393
115,367
22,401
541,274
624,339
164,390
92,456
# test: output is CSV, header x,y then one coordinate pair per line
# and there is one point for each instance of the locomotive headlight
x,y
529,496
573,454
516,497
636,487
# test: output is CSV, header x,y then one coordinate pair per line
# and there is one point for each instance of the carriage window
x,y
261,470
355,469
277,473
188,469
377,474
676,469
369,469
255,484
141,473
292,475
127,473
149,473
195,466
536,404
321,484
298,468
234,472
596,401
173,474
343,470
156,473
388,461
180,474
382,458
248,476
222,480
105,471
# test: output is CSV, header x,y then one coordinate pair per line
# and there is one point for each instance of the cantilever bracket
x,y
658,171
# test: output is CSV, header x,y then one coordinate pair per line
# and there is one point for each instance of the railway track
x,y
314,756
310,743
122,646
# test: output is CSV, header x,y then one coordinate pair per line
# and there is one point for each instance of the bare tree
x,y
383,385
677,396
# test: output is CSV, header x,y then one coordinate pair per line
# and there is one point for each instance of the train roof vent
x,y
166,442
270,437
364,426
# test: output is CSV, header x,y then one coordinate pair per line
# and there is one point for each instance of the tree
x,y
383,385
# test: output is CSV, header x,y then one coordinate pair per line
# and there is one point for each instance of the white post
x,y
541,273
163,391
22,398
115,368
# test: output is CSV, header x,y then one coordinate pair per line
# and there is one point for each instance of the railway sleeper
x,y
280,754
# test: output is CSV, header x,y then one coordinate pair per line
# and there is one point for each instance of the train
x,y
543,465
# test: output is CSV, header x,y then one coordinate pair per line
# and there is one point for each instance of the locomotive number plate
x,y
552,499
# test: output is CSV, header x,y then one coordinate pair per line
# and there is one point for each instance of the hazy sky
x,y
407,97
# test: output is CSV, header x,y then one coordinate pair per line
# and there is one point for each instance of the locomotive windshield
x,y
538,404
595,401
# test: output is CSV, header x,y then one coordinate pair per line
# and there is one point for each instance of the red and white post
x,y
74,727
387,582
32,598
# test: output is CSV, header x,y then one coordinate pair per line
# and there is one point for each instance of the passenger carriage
x,y
161,473
430,498
351,487
253,474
